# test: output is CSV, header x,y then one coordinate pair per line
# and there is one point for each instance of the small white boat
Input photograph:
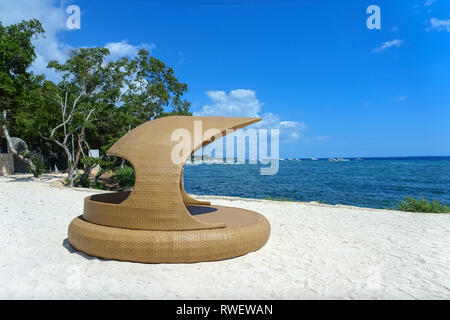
x,y
338,160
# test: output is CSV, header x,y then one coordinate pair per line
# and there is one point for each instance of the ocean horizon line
x,y
208,157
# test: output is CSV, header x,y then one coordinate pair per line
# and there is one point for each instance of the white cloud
x,y
402,98
52,14
239,103
289,130
429,3
243,103
53,19
123,48
388,44
439,25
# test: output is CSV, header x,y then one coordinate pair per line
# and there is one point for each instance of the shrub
x,y
91,162
39,165
99,185
125,176
37,161
410,204
82,181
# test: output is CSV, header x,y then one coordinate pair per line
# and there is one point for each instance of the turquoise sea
x,y
371,182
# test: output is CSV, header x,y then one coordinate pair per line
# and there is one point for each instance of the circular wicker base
x,y
246,231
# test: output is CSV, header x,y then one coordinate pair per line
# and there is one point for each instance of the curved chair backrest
x,y
158,199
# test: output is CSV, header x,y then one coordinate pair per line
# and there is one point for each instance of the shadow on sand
x,y
29,177
66,244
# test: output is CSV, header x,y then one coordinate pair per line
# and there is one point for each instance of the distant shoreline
x,y
55,181
209,159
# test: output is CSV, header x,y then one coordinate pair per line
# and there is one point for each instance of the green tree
x,y
96,102
149,90
61,113
81,94
16,56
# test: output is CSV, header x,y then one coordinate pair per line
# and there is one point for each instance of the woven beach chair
x,y
158,222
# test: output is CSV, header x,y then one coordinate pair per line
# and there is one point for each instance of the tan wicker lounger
x,y
158,221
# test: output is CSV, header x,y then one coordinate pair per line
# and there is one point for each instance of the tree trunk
x,y
14,151
70,167
70,176
73,159
87,171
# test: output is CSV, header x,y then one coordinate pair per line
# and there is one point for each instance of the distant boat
x,y
338,160
359,159
314,159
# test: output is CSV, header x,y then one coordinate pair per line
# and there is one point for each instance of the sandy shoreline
x,y
315,251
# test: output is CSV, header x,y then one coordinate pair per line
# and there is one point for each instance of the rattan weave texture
x,y
158,221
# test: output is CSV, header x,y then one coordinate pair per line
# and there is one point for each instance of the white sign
x,y
94,153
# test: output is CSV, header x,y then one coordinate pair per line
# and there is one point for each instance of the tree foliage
x,y
16,55
148,90
96,101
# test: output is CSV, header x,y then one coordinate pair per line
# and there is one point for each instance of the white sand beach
x,y
314,252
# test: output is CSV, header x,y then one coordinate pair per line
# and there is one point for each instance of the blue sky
x,y
311,68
